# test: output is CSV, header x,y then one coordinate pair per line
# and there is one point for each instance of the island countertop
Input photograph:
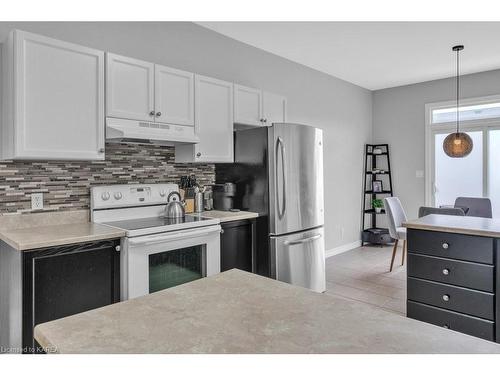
x,y
476,226
239,312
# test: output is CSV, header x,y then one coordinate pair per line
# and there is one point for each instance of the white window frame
x,y
449,127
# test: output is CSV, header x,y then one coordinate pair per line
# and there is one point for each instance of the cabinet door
x,y
129,88
59,99
274,107
237,241
214,120
67,280
247,106
174,96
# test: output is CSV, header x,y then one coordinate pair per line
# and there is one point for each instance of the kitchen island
x,y
240,312
453,273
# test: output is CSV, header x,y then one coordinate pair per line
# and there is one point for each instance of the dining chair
x,y
424,211
480,207
396,217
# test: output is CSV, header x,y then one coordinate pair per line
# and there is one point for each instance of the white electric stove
x,y
157,252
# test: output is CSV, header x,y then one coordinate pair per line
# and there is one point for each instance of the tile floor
x,y
362,274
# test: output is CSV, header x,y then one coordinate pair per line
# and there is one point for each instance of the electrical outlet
x,y
36,201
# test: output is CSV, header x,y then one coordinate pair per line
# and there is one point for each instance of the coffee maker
x,y
223,195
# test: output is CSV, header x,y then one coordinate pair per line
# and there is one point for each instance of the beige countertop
x,y
33,231
239,312
225,216
55,235
476,226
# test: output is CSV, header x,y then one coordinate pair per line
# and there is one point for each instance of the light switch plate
x,y
36,201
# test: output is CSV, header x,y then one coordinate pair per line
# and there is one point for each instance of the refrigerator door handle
x,y
280,146
308,239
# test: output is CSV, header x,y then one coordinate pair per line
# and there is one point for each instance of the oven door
x,y
155,262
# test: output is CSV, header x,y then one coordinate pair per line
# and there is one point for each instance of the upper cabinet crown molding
x,y
254,107
53,99
140,90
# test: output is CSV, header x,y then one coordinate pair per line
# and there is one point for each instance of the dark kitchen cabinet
x,y
66,280
237,245
453,281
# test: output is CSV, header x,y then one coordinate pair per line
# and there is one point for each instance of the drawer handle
x,y
445,245
446,271
446,297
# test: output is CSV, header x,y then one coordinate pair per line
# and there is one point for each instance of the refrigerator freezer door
x,y
295,178
300,259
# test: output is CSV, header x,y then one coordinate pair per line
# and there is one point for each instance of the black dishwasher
x,y
66,280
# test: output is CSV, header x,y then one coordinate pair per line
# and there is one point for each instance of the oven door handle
x,y
189,233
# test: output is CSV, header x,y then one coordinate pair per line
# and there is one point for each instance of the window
x,y
478,174
467,113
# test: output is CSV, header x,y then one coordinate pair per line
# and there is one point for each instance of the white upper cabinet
x,y
140,90
247,105
255,107
174,96
274,107
53,99
213,123
129,88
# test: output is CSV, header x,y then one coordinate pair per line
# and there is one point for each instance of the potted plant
x,y
378,204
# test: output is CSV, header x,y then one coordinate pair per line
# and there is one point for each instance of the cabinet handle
x,y
198,154
261,120
101,150
152,113
445,245
265,120
222,231
118,248
158,114
446,326
446,297
446,271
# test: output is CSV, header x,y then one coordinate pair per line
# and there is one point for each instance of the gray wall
x,y
399,119
342,109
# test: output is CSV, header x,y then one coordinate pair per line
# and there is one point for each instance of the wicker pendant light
x,y
457,145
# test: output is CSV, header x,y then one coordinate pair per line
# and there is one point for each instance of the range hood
x,y
131,131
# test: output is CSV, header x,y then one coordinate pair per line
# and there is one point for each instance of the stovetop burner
x,y
153,222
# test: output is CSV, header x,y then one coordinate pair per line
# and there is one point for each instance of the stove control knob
x,y
118,195
163,193
105,196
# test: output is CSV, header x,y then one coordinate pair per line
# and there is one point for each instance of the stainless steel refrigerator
x,y
278,172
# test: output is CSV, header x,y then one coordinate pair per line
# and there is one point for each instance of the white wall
x,y
399,119
342,109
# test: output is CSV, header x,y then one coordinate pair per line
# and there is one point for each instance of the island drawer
x,y
470,325
455,272
467,301
451,245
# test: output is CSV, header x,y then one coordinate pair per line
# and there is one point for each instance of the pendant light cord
x,y
458,87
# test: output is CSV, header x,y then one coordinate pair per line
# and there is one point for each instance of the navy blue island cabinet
x,y
453,281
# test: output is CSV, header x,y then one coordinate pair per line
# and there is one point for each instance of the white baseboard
x,y
342,249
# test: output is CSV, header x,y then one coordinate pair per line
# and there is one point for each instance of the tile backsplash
x,y
66,184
